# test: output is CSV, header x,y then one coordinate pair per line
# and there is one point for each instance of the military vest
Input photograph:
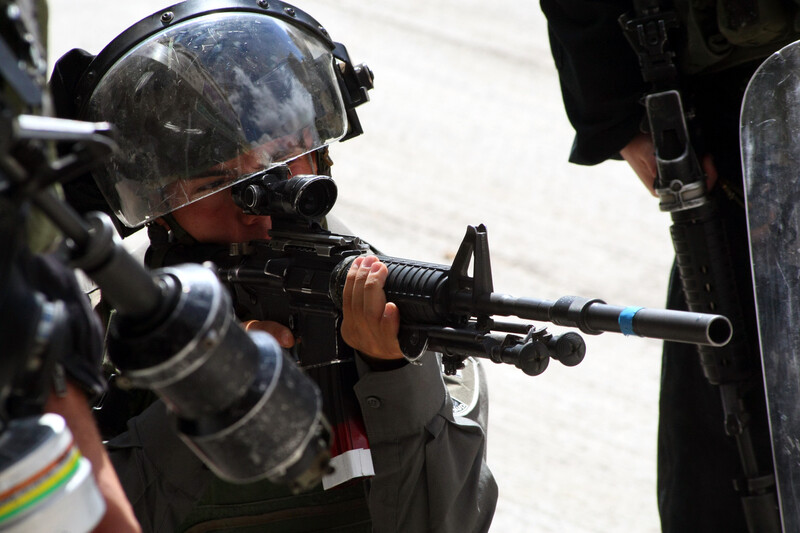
x,y
720,34
265,506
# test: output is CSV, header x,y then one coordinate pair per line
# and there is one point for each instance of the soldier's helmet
x,y
221,88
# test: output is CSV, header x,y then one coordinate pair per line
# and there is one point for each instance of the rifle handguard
x,y
704,262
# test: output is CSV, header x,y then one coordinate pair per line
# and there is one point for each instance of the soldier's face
x,y
217,219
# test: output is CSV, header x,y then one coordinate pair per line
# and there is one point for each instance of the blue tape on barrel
x,y
626,320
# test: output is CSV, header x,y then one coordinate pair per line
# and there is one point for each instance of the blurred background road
x,y
466,126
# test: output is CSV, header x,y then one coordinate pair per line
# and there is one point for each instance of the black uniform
x,y
603,88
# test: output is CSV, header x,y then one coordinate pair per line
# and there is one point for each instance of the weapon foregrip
x,y
417,288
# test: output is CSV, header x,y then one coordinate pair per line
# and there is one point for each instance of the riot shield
x,y
770,141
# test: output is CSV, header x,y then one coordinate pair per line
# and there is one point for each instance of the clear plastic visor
x,y
203,104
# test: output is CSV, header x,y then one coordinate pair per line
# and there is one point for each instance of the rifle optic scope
x,y
272,193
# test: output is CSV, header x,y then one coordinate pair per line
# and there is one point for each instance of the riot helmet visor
x,y
222,95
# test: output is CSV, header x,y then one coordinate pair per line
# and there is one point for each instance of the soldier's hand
x,y
710,170
76,410
281,333
369,323
640,154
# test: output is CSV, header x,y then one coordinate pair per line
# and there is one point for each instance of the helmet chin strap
x,y
324,161
165,250
177,233
166,241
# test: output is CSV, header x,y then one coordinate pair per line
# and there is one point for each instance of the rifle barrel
x,y
594,316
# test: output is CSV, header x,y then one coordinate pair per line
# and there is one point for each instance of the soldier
x,y
718,45
203,95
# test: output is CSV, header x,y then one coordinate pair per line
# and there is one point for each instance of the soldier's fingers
x,y
281,333
349,282
359,281
390,327
711,171
374,297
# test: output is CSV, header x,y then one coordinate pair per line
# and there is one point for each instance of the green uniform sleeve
x,y
430,467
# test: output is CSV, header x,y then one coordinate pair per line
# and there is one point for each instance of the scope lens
x,y
250,196
316,197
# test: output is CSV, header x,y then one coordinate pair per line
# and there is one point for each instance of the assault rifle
x,y
702,251
297,277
